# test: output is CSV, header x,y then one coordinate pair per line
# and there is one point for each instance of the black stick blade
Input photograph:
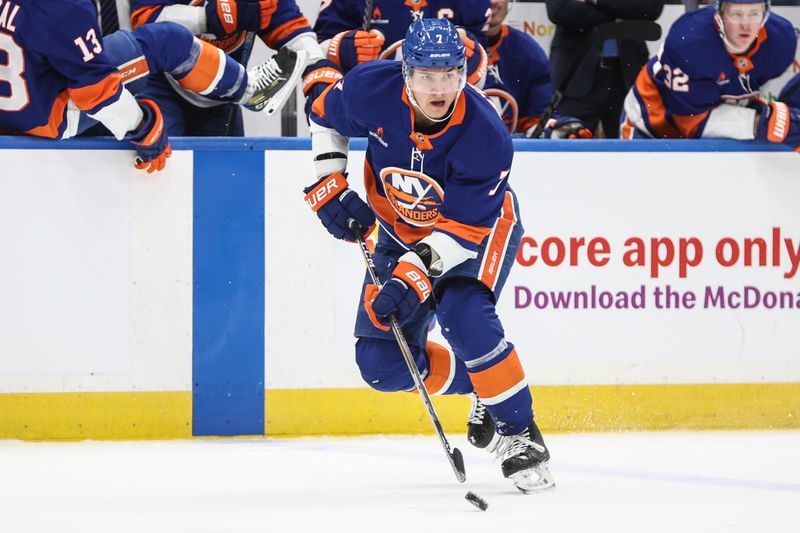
x,y
458,464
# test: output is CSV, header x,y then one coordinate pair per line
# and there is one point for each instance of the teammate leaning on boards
x,y
436,174
705,81
67,81
226,23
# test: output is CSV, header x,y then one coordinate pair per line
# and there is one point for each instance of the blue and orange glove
x,y
349,48
335,203
226,17
779,123
564,128
317,78
402,295
150,139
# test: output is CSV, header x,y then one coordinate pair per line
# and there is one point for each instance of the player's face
x,y
742,22
499,12
435,89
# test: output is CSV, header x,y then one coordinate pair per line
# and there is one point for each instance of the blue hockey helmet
x,y
718,3
433,43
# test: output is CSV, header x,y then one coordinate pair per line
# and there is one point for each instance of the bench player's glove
x,y
224,17
402,295
335,203
563,128
150,138
317,78
780,123
349,48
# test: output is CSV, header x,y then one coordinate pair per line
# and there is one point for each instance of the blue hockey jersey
x,y
518,79
53,54
677,91
393,17
287,23
453,181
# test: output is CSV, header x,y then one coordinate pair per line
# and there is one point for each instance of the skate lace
x,y
479,411
511,445
265,74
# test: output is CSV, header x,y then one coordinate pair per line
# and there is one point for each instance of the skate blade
x,y
533,480
274,104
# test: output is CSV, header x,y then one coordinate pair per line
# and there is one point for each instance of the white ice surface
x,y
673,482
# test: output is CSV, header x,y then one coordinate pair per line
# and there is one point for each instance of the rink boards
x,y
653,290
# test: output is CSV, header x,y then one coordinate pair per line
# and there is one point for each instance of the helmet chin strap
x,y
419,107
732,48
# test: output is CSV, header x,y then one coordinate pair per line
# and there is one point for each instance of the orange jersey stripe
x,y
204,72
284,30
474,234
496,248
527,123
143,15
688,124
499,378
318,107
50,130
441,368
93,95
656,111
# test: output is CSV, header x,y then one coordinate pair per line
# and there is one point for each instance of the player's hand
x,y
335,203
225,17
477,60
349,48
402,295
317,78
564,128
150,139
780,123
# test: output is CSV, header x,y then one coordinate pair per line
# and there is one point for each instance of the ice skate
x,y
480,427
271,83
525,457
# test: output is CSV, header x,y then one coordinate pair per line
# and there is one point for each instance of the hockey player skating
x,y
63,78
705,82
436,175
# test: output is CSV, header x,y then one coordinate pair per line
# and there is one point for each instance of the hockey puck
x,y
477,501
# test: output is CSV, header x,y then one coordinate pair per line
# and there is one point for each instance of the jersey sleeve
x,y
146,11
286,24
337,16
688,95
336,106
74,48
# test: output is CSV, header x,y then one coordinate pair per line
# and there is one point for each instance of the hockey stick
x,y
633,30
367,23
454,454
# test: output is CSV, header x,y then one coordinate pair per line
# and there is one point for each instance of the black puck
x,y
477,501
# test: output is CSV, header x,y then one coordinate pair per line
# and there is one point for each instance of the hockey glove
x,y
779,123
317,78
335,203
563,128
150,139
402,295
349,48
224,17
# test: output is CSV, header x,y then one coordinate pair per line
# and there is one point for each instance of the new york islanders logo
x,y
414,196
